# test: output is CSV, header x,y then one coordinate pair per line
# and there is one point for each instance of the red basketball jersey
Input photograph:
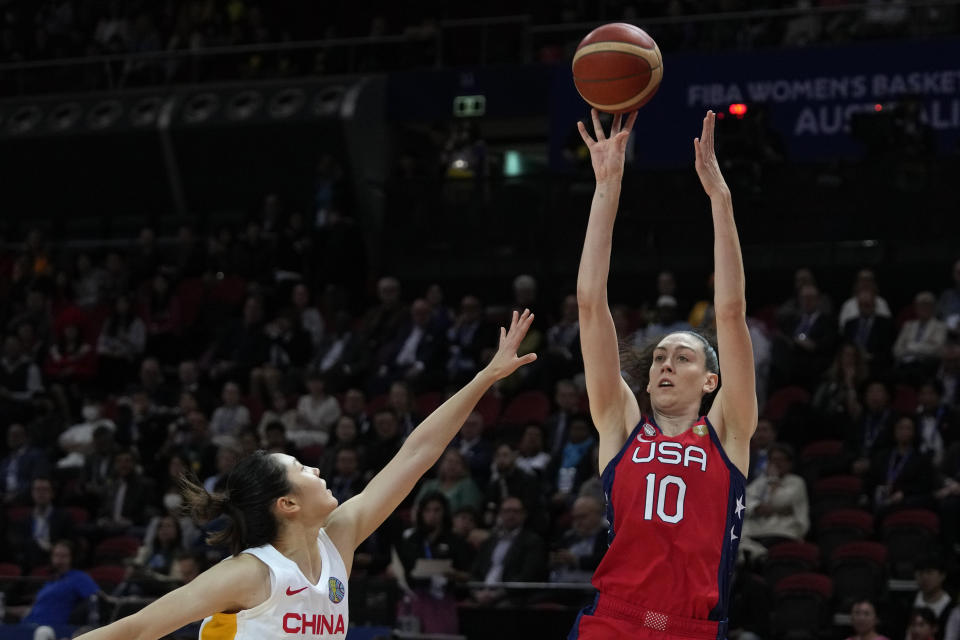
x,y
675,507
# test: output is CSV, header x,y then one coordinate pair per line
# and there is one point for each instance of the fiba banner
x,y
809,97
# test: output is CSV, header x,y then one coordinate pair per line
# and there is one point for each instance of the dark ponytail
x,y
636,362
251,489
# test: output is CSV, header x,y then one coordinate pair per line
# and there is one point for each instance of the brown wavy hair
x,y
636,362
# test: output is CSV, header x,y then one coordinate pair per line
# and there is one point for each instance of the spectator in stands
x,y
400,401
581,547
466,526
574,465
70,364
566,398
865,281
871,428
20,381
803,351
923,624
872,333
160,310
230,417
30,539
531,456
22,463
310,318
228,455
469,337
317,412
432,538
98,464
948,375
901,477
948,496
415,354
477,452
58,596
87,281
863,619
507,479
288,353
938,423
763,439
949,305
187,565
382,321
275,441
346,481
345,434
152,383
665,320
563,357
837,392
240,347
385,443
930,572
776,502
919,345
157,554
121,343
343,355
127,501
77,440
788,313
512,554
355,406
441,316
188,380
36,314
279,411
454,482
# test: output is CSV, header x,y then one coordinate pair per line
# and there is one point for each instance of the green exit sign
x,y
469,106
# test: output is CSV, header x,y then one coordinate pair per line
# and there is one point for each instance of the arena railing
x,y
479,41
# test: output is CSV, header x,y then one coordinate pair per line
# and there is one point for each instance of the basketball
x,y
617,67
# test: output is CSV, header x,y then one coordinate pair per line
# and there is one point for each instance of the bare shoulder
x,y
245,577
341,528
735,442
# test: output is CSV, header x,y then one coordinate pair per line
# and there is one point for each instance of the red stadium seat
x,y
107,576
801,606
823,458
857,571
311,455
908,534
41,572
790,558
840,526
376,403
835,492
528,406
17,515
78,515
428,402
10,570
781,400
489,407
904,399
117,548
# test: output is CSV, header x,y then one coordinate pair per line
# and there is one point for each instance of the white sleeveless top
x,y
295,607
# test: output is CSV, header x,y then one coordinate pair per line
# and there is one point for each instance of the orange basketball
x,y
617,67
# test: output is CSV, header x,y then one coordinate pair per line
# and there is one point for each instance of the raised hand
x,y
505,360
606,154
706,160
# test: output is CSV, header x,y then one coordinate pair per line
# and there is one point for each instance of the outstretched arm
x,y
612,404
357,518
734,412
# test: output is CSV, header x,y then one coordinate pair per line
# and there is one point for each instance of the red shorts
x,y
609,617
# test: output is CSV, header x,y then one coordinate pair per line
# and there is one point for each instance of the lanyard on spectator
x,y
894,469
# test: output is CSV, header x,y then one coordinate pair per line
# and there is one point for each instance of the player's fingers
x,y
630,120
708,129
514,318
503,335
587,140
597,129
527,359
615,128
696,150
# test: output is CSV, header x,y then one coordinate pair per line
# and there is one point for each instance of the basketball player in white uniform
x,y
292,543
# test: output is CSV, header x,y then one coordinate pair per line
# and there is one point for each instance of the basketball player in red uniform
x,y
674,479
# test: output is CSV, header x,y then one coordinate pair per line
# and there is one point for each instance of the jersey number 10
x,y
661,488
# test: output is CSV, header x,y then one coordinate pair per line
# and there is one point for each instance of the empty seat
x,y
801,605
528,406
857,571
908,534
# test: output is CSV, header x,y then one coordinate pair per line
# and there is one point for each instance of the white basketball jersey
x,y
295,608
